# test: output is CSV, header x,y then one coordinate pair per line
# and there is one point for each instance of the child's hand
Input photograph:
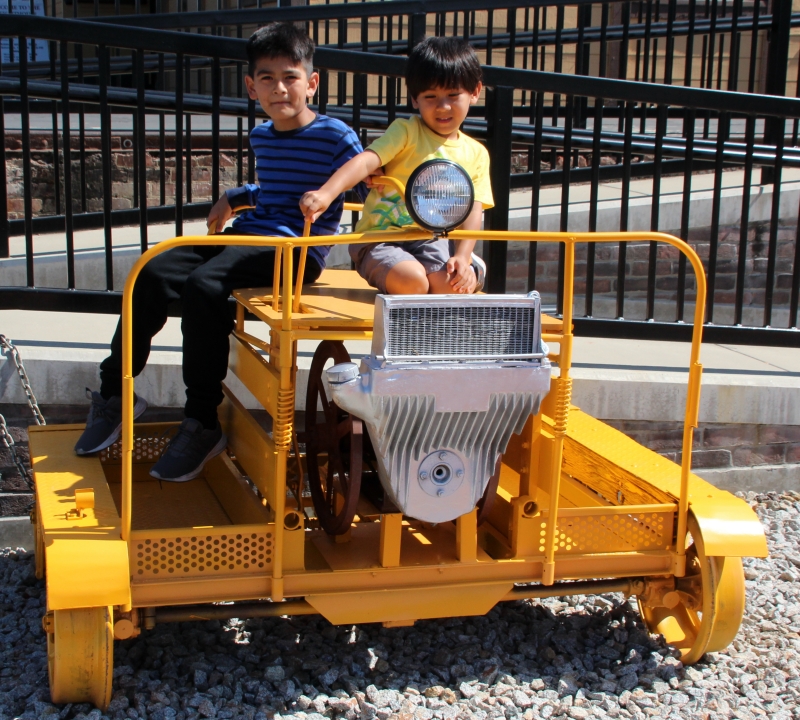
x,y
219,215
369,181
461,275
313,204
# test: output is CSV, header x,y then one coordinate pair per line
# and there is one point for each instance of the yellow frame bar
x,y
284,423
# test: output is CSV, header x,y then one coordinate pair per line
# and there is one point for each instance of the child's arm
x,y
225,208
316,202
220,214
462,278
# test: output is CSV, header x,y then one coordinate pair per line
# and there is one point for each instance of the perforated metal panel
x,y
445,332
201,555
610,533
148,443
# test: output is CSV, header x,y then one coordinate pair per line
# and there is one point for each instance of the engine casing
x,y
449,380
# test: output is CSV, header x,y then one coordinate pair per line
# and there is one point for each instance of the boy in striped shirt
x,y
297,151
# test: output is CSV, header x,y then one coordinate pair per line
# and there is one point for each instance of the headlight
x,y
439,195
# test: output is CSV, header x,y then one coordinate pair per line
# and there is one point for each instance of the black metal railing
x,y
115,127
722,44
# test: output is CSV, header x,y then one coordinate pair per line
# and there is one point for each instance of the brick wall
x,y
718,445
122,186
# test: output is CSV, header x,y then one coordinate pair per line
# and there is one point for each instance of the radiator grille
x,y
448,332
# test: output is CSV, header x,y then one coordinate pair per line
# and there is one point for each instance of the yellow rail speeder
x,y
577,507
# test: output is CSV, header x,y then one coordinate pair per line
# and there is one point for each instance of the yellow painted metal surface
x,y
339,299
467,537
410,603
80,655
253,448
707,605
391,526
256,374
197,552
729,525
87,562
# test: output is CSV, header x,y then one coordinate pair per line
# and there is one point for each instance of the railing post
x,y
417,25
777,72
499,118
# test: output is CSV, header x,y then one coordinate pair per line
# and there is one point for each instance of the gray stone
x,y
275,673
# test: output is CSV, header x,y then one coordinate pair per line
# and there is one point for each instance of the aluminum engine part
x,y
449,380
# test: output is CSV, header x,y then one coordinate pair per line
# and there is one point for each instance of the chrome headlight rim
x,y
412,211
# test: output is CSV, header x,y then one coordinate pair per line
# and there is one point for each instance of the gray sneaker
x,y
189,451
480,271
104,422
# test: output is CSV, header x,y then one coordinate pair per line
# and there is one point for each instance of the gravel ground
x,y
580,658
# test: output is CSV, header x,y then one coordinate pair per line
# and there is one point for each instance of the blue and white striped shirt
x,y
289,164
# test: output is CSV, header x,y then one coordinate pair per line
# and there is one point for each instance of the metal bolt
x,y
459,473
423,475
442,456
439,493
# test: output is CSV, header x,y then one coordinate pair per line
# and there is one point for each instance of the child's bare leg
x,y
440,284
407,278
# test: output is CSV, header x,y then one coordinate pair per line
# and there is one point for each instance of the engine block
x,y
449,380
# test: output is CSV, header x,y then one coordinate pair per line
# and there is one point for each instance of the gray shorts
x,y
373,261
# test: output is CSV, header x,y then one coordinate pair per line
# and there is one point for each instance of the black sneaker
x,y
104,422
479,267
189,451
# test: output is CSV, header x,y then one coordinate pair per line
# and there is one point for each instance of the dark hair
x,y
280,40
445,62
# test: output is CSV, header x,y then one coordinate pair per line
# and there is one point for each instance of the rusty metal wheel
x,y
334,447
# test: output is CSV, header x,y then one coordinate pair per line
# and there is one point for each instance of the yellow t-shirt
x,y
404,146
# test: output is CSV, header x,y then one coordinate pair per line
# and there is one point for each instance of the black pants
x,y
202,277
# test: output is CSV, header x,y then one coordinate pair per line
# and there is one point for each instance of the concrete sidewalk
x,y
614,379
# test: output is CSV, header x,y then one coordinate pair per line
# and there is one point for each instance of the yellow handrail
x,y
290,293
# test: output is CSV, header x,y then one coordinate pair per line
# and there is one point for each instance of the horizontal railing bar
x,y
682,332
334,11
222,18
499,40
155,100
98,302
549,178
119,218
552,136
92,33
377,64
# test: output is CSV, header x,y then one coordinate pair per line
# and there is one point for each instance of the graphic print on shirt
x,y
391,211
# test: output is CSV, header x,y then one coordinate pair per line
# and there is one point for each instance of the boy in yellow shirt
x,y
443,77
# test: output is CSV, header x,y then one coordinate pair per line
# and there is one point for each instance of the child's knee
x,y
200,288
407,278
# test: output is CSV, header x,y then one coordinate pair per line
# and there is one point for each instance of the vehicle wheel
x,y
334,447
708,602
80,655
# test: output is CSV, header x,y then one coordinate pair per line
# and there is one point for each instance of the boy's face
x,y
444,109
283,90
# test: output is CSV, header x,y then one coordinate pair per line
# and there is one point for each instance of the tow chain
x,y
7,348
